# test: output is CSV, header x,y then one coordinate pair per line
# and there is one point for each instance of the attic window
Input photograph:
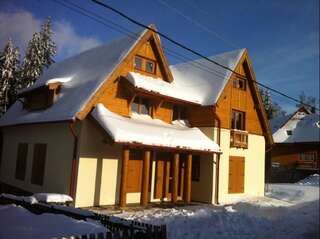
x,y
289,132
138,63
239,84
144,64
150,66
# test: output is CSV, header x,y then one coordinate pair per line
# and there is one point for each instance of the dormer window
x,y
239,84
40,98
141,106
144,64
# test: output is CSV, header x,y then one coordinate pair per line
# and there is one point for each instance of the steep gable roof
x,y
203,79
304,127
85,73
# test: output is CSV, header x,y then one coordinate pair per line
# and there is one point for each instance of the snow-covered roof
x,y
144,130
302,127
85,73
159,86
206,81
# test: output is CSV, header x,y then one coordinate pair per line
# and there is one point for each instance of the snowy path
x,y
289,211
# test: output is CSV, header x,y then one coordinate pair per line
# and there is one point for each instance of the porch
x,y
169,180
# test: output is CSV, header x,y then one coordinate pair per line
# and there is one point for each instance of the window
x,y
179,113
239,84
289,132
144,64
21,162
141,106
138,63
238,120
195,174
150,66
38,165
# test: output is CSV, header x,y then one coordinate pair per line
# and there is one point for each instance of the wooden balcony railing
x,y
239,139
308,164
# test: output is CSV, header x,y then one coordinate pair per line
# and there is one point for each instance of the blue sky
x,y
282,36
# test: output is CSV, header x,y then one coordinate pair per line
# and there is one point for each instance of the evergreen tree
x,y
48,46
32,62
272,108
9,67
39,54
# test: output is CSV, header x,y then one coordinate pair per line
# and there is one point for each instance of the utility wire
x,y
194,51
116,27
198,24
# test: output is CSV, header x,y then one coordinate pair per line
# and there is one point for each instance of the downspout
x,y
216,193
74,166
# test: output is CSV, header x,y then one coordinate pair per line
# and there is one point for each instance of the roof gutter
x,y
75,162
216,192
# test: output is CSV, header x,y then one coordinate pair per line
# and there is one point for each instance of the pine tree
x,y
272,108
48,46
33,61
39,54
9,67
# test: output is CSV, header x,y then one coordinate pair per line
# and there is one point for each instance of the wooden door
x,y
236,174
134,173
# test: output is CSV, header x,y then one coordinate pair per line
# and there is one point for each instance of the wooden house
x,y
297,141
117,125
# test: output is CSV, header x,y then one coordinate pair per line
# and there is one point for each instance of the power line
x,y
193,51
116,27
198,24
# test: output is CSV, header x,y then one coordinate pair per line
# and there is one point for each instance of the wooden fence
x,y
118,228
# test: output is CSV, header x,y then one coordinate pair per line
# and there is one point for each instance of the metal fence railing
x,y
117,228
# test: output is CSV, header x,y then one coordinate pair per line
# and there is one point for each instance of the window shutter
x,y
21,162
38,165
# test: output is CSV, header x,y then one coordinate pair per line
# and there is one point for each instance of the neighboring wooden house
x,y
117,125
297,141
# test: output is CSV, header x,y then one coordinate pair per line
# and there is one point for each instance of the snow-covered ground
x,y
287,211
16,222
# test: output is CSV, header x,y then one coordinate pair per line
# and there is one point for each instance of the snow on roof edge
x,y
141,34
158,133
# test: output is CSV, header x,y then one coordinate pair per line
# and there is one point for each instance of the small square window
x,y
289,132
239,84
138,63
150,66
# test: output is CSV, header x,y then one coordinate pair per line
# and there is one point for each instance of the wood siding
x,y
236,174
288,155
241,100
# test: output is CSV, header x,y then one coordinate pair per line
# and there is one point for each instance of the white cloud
x,y
22,24
69,42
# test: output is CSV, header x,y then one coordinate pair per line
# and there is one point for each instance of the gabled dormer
x,y
40,98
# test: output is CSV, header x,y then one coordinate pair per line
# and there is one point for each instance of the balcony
x,y
308,164
239,139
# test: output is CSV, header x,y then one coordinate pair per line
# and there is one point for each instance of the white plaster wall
x,y
58,161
